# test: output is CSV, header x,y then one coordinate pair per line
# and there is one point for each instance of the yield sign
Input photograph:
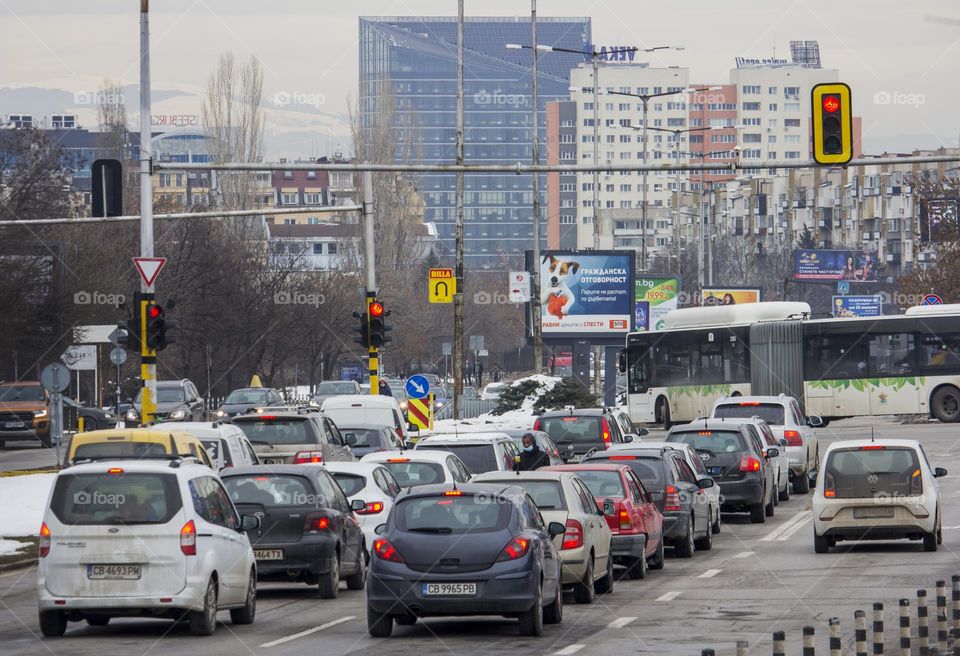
x,y
149,268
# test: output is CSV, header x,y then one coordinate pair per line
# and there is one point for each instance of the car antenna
x,y
872,435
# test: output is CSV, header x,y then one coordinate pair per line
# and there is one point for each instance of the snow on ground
x,y
11,547
522,418
25,500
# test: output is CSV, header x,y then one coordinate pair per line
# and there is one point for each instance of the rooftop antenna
x,y
872,437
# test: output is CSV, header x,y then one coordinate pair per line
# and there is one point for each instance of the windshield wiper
x,y
431,529
264,443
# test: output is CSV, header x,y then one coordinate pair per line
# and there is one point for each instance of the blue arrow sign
x,y
417,387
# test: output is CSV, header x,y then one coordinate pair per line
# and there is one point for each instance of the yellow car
x,y
135,443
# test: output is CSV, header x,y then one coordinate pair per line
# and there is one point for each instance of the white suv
x,y
144,538
480,452
786,420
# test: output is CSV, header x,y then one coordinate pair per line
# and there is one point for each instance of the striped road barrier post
x,y
904,627
779,638
942,633
923,623
808,641
877,628
955,633
743,647
707,652
860,633
836,645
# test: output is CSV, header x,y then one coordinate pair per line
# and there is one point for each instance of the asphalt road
x,y
757,579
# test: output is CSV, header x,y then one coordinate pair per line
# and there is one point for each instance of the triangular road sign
x,y
149,268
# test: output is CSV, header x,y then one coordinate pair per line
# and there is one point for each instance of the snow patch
x,y
25,503
11,547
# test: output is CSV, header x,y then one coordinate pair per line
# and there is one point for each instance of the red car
x,y
634,518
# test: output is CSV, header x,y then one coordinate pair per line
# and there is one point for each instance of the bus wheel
x,y
663,413
946,404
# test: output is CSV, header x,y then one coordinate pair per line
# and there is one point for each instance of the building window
x,y
568,202
311,199
567,138
751,138
772,107
696,122
332,248
624,107
568,123
312,175
318,249
751,107
791,93
791,138
791,122
568,186
288,175
751,89
567,219
289,199
696,138
771,138
772,91
792,154
625,138
791,106
625,188
290,222
624,204
676,122
588,105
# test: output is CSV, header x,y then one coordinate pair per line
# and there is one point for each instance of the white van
x,y
226,444
358,409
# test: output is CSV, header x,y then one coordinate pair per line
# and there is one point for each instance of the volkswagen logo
x,y
872,479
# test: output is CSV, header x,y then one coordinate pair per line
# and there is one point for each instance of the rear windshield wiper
x,y
431,529
263,443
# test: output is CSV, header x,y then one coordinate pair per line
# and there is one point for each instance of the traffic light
x,y
106,187
158,327
378,325
363,330
832,114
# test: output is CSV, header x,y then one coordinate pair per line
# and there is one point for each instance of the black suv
x,y
177,400
578,431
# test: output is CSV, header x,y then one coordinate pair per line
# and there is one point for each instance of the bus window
x,y
639,364
938,354
835,357
711,363
892,355
736,363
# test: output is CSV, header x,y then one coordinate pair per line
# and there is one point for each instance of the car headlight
x,y
439,404
178,414
107,415
40,413
403,405
220,413
132,415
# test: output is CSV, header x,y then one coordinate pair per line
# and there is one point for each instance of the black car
x,y
307,533
368,438
675,488
738,462
472,550
581,430
248,399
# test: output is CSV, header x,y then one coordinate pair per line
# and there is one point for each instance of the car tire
x,y
657,560
358,580
637,569
583,591
246,613
553,614
706,542
329,584
775,497
90,424
98,620
801,484
379,625
717,522
785,494
757,513
204,622
685,547
821,544
531,621
605,585
930,541
665,415
53,623
769,509
946,404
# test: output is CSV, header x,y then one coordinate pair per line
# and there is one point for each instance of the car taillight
x,y
516,548
916,483
316,523
373,507
573,538
44,539
626,525
830,493
536,424
605,430
671,499
188,539
749,464
385,551
793,438
304,457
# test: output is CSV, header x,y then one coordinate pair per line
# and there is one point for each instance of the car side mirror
x,y
642,431
773,452
609,507
812,477
357,505
706,483
555,529
381,529
939,472
783,442
628,437
814,421
249,523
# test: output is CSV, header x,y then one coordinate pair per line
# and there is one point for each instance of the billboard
x,y
588,293
642,320
731,295
857,306
820,264
660,295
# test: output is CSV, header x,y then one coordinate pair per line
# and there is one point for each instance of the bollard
x,y
707,652
942,633
955,633
808,641
743,647
779,637
923,623
878,628
904,627
836,645
860,619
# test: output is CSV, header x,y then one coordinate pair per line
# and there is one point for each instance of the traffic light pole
x,y
148,358
371,267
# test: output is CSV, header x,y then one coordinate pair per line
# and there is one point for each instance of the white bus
x,y
891,365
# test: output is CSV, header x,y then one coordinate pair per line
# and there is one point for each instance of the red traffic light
x,y
831,104
154,311
376,309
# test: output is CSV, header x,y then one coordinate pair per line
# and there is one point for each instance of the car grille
x,y
25,417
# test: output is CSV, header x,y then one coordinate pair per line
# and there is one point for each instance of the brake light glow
x,y
373,507
44,539
793,438
188,539
317,523
873,447
398,459
304,457
115,470
516,548
749,464
573,538
625,523
452,493
705,433
830,494
385,551
744,403
605,430
623,457
268,417
536,424
671,499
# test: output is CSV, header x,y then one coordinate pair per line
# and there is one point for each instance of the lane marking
x,y
670,596
742,554
796,527
295,636
710,573
786,526
620,622
567,651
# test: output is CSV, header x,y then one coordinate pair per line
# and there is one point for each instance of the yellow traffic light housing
x,y
832,113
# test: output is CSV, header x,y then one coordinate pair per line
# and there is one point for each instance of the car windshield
x,y
165,395
871,472
603,483
571,428
478,458
121,498
362,437
548,495
125,449
21,393
247,396
272,490
336,387
350,483
277,430
649,469
410,474
452,514
772,413
712,441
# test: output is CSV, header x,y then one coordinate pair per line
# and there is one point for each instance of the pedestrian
x,y
532,456
385,388
479,374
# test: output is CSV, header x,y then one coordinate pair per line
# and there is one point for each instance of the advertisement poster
x,y
819,264
642,320
857,306
731,295
661,296
586,293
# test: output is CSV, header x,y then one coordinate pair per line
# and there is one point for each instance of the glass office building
x,y
415,59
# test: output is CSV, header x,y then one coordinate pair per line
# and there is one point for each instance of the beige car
x,y
585,547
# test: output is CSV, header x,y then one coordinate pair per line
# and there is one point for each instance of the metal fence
x,y
469,408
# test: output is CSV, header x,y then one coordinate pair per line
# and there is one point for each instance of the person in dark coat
x,y
532,456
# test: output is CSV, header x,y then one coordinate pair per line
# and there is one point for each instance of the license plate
x,y
450,589
268,554
15,424
873,512
114,572
713,470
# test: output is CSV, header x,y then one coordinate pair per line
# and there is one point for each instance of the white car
x,y
877,490
225,443
585,547
786,420
412,468
354,409
492,391
128,538
372,483
480,452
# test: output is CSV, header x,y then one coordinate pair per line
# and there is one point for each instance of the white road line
x,y
295,636
620,622
710,573
742,554
775,533
808,514
670,596
568,651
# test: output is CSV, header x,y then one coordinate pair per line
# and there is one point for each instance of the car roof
x,y
291,414
467,438
708,424
364,401
359,467
653,445
200,429
585,466
637,450
252,389
134,467
264,470
430,455
360,426
433,489
883,441
131,434
537,475
739,420
733,400
584,412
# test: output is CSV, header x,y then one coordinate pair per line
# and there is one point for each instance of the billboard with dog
x,y
586,293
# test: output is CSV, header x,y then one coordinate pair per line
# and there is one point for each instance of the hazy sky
x,y
309,47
